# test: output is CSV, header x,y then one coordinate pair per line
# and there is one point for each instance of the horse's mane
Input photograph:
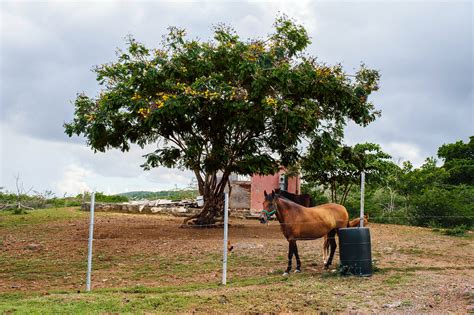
x,y
279,196
303,200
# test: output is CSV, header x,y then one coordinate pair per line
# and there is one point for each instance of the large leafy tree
x,y
220,106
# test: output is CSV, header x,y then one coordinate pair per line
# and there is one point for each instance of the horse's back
x,y
333,212
315,222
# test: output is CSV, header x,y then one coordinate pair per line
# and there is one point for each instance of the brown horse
x,y
301,223
306,201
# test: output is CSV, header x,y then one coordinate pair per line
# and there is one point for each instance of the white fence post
x,y
226,222
91,236
362,188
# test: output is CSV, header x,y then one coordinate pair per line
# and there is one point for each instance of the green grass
x,y
395,280
240,294
33,217
303,292
34,268
136,299
420,252
97,302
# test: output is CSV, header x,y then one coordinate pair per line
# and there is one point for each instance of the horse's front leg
x,y
291,246
298,261
332,242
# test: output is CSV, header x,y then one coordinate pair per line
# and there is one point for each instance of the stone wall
x,y
141,208
169,209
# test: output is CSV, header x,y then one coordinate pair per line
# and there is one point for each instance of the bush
x,y
443,207
456,231
10,201
64,202
376,206
387,206
6,198
101,197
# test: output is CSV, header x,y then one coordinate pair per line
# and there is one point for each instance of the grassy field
x,y
147,264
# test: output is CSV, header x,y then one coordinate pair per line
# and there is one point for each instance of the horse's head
x,y
269,207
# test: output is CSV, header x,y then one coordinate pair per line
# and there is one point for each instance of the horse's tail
x,y
356,221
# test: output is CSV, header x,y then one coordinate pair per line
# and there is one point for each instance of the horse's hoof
x,y
285,274
326,267
297,270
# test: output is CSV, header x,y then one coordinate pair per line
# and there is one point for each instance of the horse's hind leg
x,y
325,249
332,243
298,261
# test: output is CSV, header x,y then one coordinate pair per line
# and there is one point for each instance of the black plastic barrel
x,y
355,251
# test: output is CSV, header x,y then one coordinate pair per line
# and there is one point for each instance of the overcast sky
x,y
423,50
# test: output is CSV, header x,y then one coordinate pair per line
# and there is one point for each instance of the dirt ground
x,y
417,270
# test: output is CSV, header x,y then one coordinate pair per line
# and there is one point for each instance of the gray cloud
x,y
425,61
423,50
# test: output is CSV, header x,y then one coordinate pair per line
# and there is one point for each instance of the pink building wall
x,y
269,183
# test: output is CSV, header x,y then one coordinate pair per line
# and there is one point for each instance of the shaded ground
x,y
148,263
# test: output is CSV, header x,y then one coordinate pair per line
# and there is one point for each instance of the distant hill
x,y
163,194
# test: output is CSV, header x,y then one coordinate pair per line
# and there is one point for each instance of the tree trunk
x,y
346,192
213,209
334,192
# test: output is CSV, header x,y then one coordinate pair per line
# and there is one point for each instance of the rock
x,y
248,245
156,209
393,305
179,210
33,246
223,299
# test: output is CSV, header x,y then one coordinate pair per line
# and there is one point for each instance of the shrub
x,y
456,231
317,194
101,197
444,207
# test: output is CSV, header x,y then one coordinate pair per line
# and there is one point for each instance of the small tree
x,y
458,161
337,167
16,201
221,106
414,181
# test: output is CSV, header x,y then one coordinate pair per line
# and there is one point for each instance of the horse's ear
x,y
273,194
265,193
